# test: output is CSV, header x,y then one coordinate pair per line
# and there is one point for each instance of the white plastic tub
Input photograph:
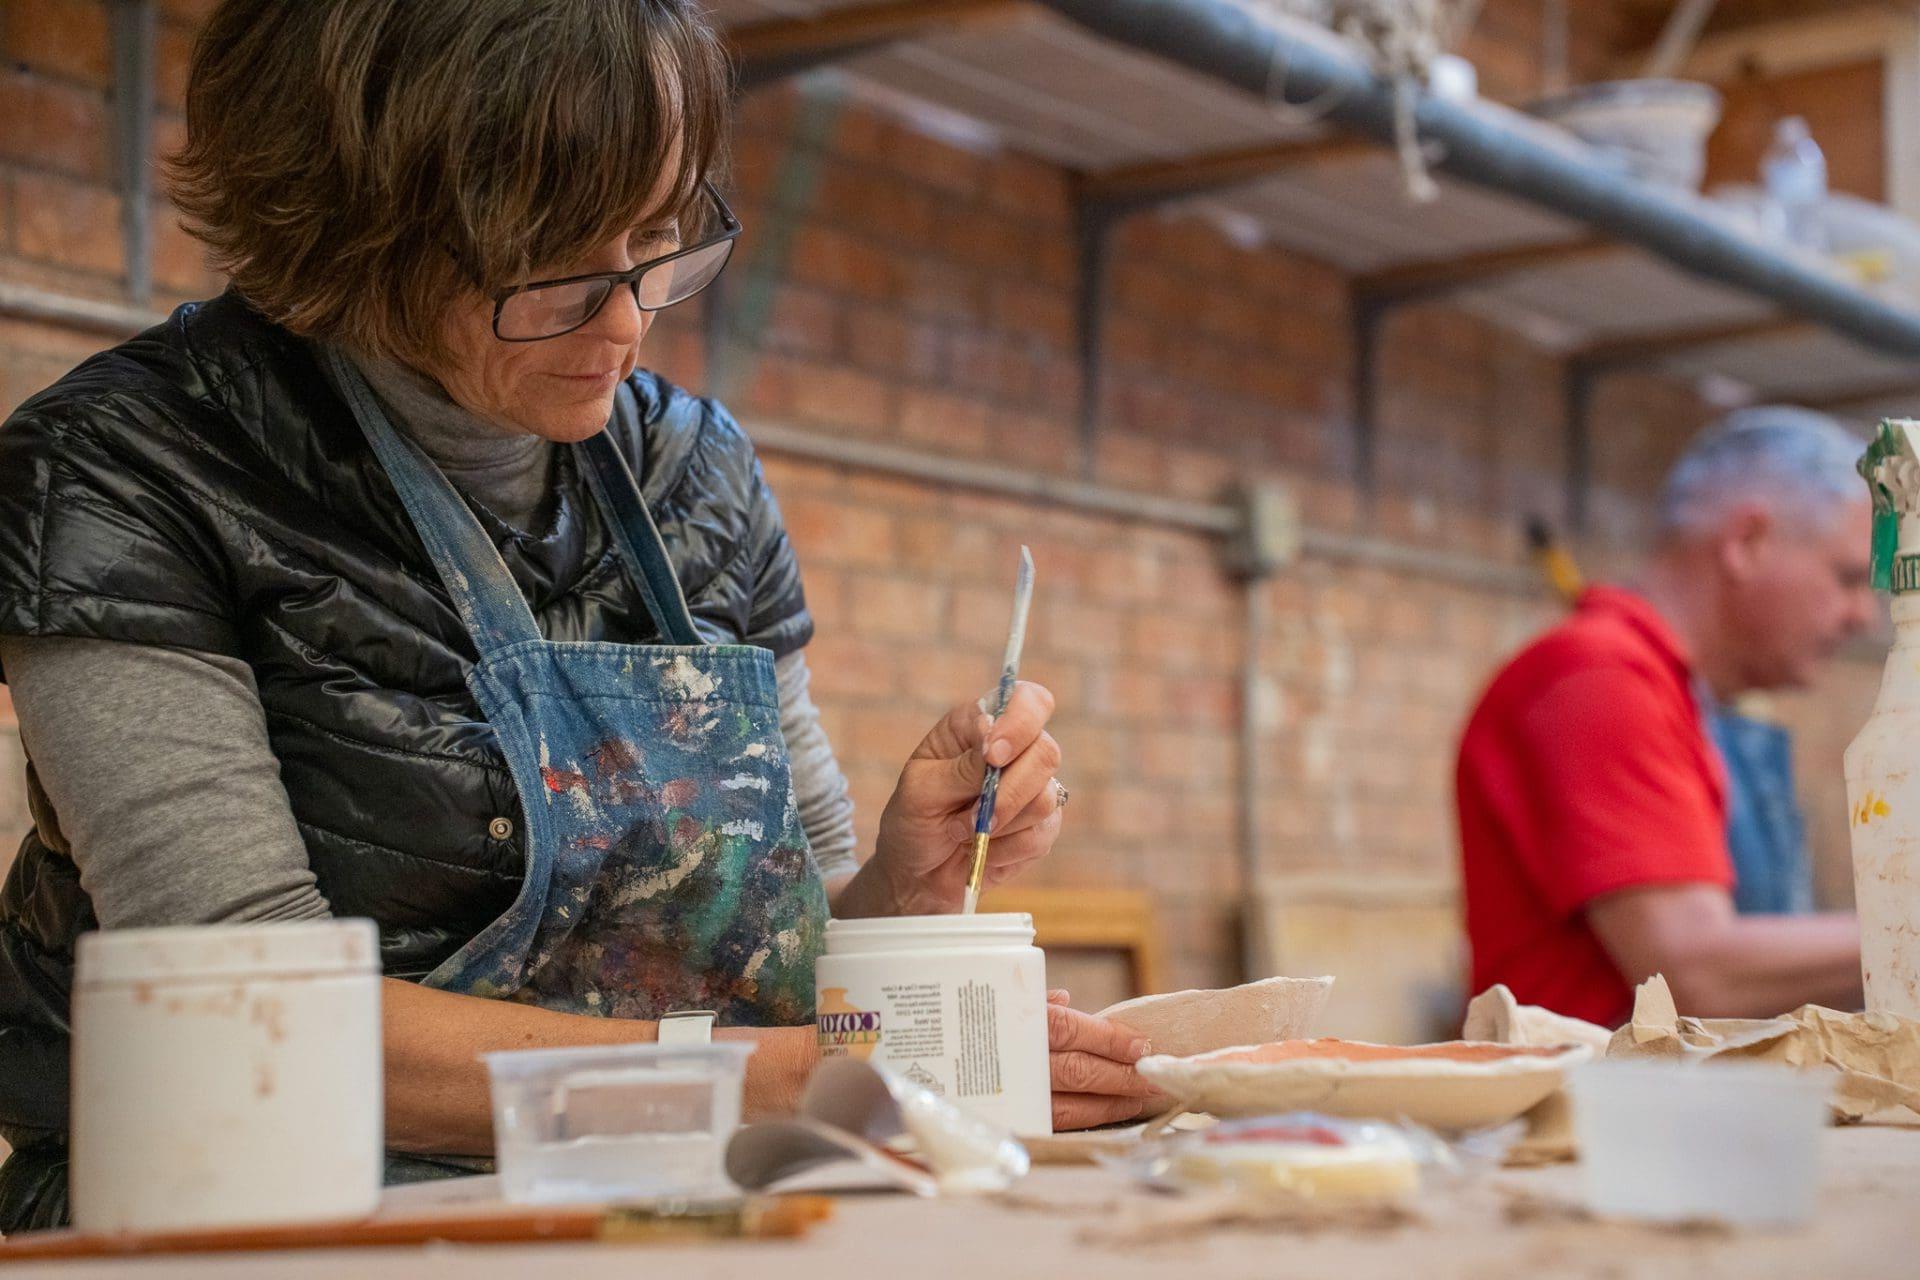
x,y
621,1122
226,1076
1674,1142
1658,128
957,1004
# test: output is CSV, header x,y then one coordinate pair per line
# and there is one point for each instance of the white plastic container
x,y
619,1122
1883,787
226,1075
1676,1141
955,1003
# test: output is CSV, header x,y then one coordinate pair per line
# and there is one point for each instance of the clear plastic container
x,y
1794,172
1675,1142
625,1122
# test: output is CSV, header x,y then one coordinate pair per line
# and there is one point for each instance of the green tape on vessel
x,y
1887,442
1886,540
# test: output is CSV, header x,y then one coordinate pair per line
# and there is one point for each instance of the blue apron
x,y
1766,832
666,867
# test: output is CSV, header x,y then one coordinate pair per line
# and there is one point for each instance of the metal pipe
x,y
1678,38
108,319
1556,46
134,35
1228,42
1209,518
1219,520
1424,562
1247,802
1093,230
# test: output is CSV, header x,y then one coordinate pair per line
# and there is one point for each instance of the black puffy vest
x,y
203,486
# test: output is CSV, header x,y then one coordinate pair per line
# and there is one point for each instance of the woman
x,y
290,585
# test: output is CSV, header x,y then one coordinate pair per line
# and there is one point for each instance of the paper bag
x,y
1875,1057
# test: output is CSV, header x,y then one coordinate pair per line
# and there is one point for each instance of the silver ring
x,y
1060,794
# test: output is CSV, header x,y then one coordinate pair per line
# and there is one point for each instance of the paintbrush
x,y
666,1222
990,786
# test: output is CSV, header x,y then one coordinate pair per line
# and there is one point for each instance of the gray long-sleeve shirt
x,y
157,761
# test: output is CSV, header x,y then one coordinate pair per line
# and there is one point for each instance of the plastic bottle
x,y
1795,175
1883,787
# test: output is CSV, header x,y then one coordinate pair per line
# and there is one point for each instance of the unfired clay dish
x,y
1453,1086
1183,1023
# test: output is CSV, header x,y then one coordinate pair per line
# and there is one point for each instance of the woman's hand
x,y
925,845
1092,1059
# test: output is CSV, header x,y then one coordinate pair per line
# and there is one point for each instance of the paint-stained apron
x,y
666,867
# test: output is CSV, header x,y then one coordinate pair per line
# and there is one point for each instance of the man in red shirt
x,y
1592,803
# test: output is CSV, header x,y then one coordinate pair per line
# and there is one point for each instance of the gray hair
x,y
1799,462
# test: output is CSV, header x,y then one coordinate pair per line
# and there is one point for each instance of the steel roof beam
x,y
1629,350
1439,277
1902,388
1145,185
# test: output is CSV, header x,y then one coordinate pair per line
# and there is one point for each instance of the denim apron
x,y
1766,832
666,867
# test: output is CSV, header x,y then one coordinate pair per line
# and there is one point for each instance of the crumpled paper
x,y
1875,1057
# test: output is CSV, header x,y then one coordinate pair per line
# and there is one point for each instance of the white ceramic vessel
x,y
1883,787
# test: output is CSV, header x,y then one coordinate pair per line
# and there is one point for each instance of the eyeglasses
x,y
549,308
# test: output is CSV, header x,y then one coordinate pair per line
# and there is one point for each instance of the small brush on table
x,y
990,787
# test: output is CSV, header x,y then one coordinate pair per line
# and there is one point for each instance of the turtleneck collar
x,y
509,472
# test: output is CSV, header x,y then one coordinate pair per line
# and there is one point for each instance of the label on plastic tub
x,y
845,1030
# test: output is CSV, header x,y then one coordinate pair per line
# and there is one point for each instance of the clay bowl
x,y
1183,1023
1453,1086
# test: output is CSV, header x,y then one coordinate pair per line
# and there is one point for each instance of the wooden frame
x,y
1122,920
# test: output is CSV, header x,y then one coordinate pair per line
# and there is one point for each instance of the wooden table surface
x,y
1062,1222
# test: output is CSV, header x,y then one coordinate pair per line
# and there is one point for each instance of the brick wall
x,y
893,288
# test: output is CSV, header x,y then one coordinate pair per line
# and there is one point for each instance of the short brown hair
x,y
353,163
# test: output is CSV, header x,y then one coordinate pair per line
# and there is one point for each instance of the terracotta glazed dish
x,y
1456,1085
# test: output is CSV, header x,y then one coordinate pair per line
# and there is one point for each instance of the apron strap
x,y
636,537
488,600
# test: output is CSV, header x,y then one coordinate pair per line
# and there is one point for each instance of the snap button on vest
x,y
500,828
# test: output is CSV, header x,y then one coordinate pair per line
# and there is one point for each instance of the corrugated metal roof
x,y
1812,366
1355,214
1056,91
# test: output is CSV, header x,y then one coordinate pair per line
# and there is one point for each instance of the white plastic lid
x,y
929,933
306,947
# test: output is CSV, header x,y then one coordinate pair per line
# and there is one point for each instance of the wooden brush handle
x,y
758,1219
